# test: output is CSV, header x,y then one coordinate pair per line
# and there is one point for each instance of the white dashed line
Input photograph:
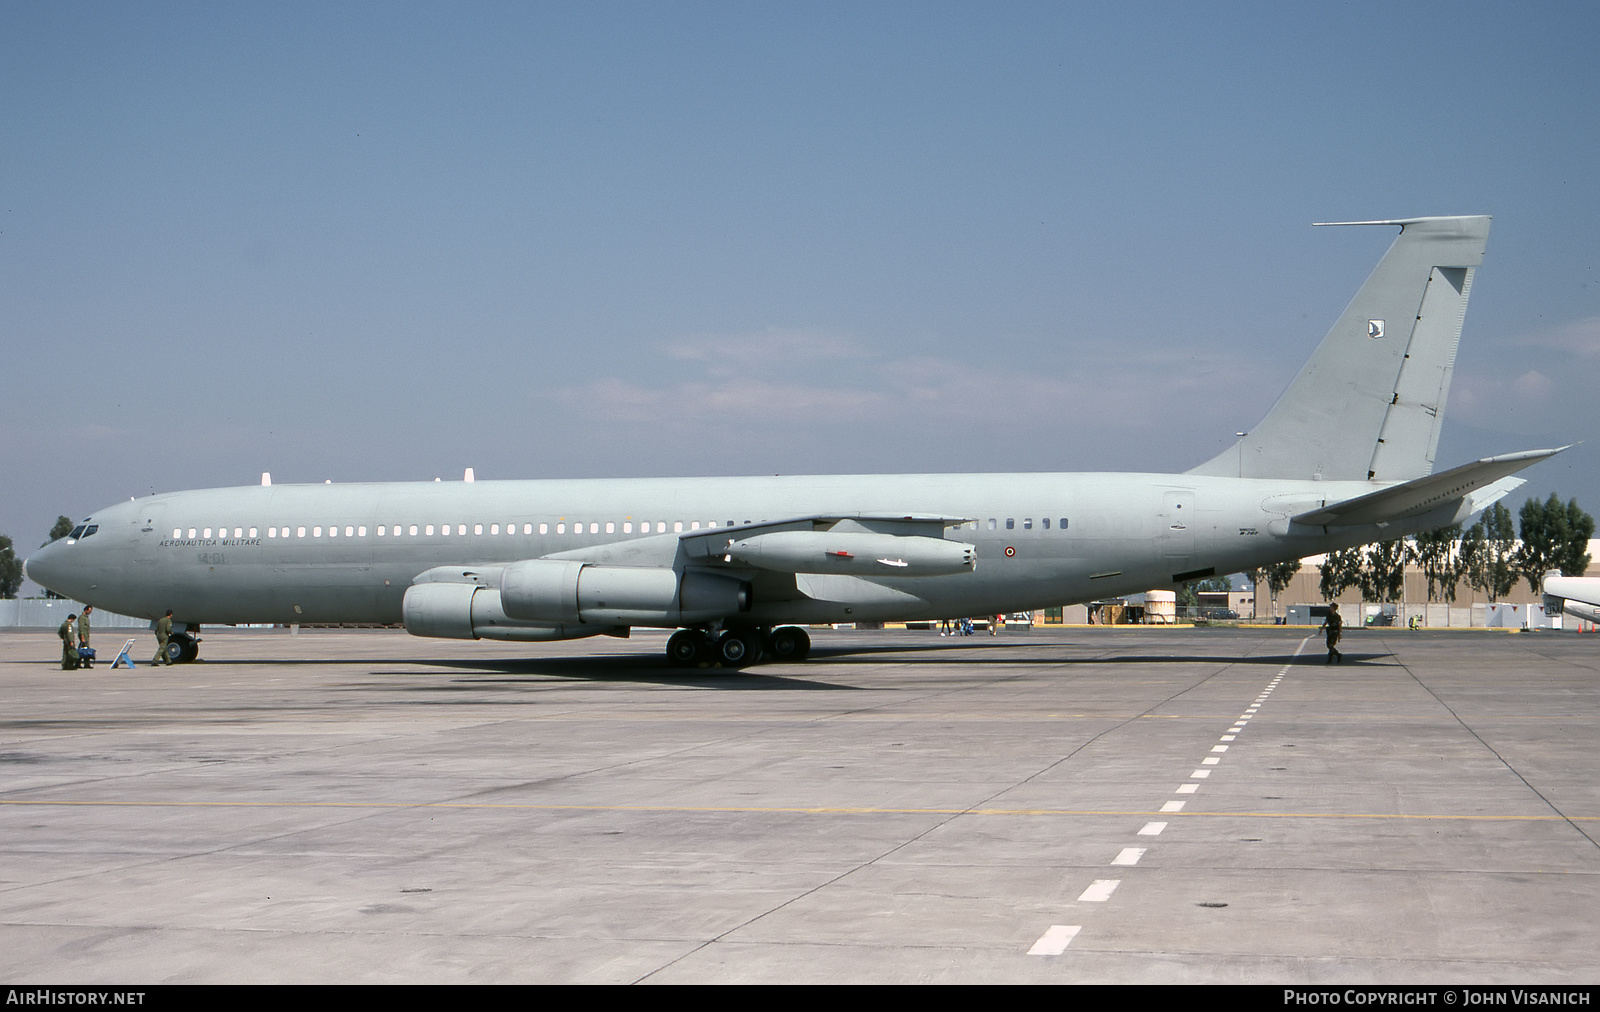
x,y
1100,890
1172,806
1152,829
1187,789
1055,941
1210,760
1129,855
1200,774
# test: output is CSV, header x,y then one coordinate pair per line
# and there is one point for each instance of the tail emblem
x,y
1374,329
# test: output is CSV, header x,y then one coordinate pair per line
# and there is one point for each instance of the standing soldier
x,y
83,636
69,652
1334,624
163,634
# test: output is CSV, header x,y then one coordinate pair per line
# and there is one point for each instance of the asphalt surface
x,y
1155,806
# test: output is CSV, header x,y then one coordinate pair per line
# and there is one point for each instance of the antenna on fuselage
x,y
468,476
266,478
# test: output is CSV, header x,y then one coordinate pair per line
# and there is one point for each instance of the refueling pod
x,y
854,553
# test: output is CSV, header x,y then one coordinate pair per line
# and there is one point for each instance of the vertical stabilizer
x,y
1369,402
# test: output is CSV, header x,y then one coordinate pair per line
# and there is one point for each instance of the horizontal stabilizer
x,y
1422,495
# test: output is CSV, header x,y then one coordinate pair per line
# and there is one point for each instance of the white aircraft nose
x,y
45,567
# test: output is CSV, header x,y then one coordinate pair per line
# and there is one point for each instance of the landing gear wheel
x,y
687,648
175,649
789,643
191,648
739,649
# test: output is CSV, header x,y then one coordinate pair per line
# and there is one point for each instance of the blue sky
x,y
390,241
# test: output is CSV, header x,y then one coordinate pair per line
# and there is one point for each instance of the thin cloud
x,y
1580,337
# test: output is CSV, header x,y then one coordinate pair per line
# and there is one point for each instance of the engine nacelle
x,y
467,611
854,553
558,591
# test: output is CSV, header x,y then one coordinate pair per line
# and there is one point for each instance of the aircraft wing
x,y
1422,495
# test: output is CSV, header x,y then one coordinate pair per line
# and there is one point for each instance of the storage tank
x,y
1160,607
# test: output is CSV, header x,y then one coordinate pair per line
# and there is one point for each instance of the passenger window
x,y
461,529
1046,523
361,531
1063,523
428,530
677,527
544,528
207,533
478,528
611,528
594,527
627,527
413,530
300,532
252,532
561,528
1011,523
694,525
991,523
1027,523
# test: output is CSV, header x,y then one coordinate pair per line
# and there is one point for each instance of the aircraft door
x,y
146,532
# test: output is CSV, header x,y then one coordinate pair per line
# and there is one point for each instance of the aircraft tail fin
x,y
1368,404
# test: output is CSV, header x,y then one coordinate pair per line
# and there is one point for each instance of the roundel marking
x,y
1010,551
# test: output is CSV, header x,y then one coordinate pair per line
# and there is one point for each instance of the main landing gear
x,y
737,648
182,648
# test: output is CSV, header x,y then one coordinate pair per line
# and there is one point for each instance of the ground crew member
x,y
83,636
69,651
163,634
1334,625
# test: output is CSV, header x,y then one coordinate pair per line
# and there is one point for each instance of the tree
x,y
1488,554
1277,577
63,526
10,569
1341,569
1553,537
1435,554
1383,571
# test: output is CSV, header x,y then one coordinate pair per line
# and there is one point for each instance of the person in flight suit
x,y
69,650
1333,625
163,634
83,636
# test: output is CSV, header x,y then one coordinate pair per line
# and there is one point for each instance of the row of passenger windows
x,y
444,530
495,530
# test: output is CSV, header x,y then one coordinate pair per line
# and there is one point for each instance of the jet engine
x,y
467,611
557,590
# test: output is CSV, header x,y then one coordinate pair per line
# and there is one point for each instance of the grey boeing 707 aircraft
x,y
739,565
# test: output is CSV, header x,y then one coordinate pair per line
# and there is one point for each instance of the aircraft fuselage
x,y
346,553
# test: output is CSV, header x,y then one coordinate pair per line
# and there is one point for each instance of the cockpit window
x,y
89,530
77,532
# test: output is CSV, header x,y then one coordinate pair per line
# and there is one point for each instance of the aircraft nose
x,y
45,567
